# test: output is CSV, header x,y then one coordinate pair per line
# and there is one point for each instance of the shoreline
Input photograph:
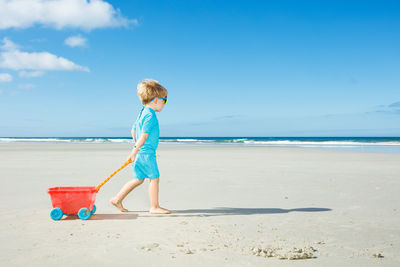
x,y
360,149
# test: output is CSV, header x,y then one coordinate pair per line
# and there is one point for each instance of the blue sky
x,y
232,68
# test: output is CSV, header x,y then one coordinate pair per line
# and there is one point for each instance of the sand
x,y
232,206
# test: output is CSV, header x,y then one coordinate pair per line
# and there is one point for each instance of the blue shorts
x,y
145,166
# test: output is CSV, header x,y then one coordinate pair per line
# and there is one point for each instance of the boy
x,y
145,133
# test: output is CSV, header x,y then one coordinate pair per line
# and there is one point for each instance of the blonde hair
x,y
149,89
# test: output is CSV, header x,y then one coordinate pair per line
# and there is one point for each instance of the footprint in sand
x,y
149,247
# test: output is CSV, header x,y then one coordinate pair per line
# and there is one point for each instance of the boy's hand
x,y
132,156
138,144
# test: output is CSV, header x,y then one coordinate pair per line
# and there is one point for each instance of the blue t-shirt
x,y
147,122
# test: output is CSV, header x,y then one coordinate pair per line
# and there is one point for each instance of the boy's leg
x,y
153,193
125,190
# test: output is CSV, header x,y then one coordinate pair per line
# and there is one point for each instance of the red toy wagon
x,y
76,200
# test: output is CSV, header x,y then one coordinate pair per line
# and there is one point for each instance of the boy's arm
x,y
138,145
141,141
133,135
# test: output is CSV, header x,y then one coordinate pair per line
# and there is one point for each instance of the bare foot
x,y
118,204
159,210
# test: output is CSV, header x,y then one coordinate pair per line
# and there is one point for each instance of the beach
x,y
231,206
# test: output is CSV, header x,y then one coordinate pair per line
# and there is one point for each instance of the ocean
x,y
363,144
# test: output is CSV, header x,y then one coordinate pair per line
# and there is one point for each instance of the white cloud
x,y
30,74
12,58
26,86
8,45
395,105
60,14
74,41
17,60
38,40
5,77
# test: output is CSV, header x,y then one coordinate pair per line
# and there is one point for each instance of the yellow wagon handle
x,y
109,177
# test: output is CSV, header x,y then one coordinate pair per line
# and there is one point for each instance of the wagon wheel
x,y
84,213
56,214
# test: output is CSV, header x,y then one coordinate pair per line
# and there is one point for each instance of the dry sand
x,y
232,206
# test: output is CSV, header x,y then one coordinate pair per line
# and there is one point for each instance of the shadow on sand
x,y
124,216
221,211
